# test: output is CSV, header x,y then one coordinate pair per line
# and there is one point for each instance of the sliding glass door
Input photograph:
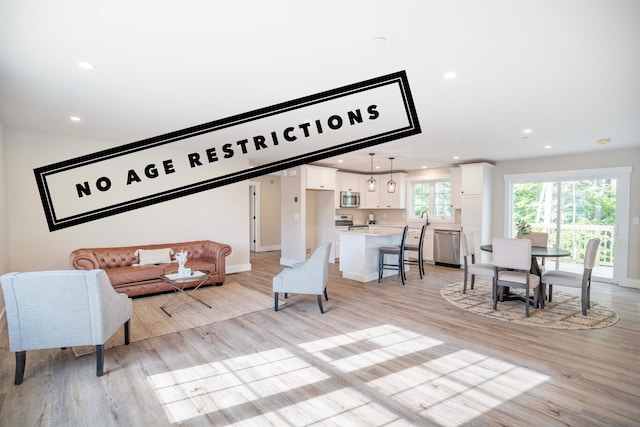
x,y
572,210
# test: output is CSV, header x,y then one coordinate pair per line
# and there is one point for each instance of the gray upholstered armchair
x,y
309,277
63,308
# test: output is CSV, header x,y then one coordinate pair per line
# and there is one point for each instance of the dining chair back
x,y
575,280
398,253
512,265
471,267
538,239
419,257
541,240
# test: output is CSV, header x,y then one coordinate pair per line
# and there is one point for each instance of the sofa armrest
x,y
218,252
84,259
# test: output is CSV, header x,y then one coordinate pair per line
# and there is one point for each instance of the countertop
x,y
417,225
378,231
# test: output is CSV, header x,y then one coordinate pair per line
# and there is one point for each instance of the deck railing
x,y
574,238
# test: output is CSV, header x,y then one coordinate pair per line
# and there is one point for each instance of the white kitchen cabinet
x,y
370,199
351,182
475,178
477,181
381,199
320,178
413,238
394,200
427,248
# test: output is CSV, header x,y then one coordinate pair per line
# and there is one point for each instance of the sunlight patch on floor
x,y
449,389
454,389
391,342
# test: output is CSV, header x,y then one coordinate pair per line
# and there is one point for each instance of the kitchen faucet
x,y
427,215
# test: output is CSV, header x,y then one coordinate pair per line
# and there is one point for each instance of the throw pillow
x,y
154,256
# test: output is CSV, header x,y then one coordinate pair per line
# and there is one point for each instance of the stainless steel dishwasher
x,y
446,247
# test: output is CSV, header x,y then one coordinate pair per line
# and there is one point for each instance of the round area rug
x,y
564,312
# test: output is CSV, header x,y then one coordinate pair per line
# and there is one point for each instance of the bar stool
x,y
419,260
398,251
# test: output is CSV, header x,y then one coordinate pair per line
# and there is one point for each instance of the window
x,y
574,206
432,197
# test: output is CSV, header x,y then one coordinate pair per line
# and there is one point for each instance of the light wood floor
x,y
382,354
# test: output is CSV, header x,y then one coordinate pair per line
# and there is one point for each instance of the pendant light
x,y
391,184
371,182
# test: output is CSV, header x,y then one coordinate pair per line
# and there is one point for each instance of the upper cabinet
x,y
320,178
381,198
475,178
348,181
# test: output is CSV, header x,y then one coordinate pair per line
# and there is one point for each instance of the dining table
x,y
536,252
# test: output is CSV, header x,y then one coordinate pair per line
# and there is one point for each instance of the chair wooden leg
x,y
464,285
380,262
99,360
21,361
326,297
126,332
526,302
495,294
320,304
473,280
275,301
550,291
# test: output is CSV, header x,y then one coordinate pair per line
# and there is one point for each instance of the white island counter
x,y
359,252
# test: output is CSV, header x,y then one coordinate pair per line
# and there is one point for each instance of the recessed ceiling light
x,y
456,157
377,167
604,141
75,118
424,167
450,75
527,131
547,147
85,65
379,40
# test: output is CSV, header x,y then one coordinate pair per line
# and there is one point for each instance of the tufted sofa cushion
x,y
126,277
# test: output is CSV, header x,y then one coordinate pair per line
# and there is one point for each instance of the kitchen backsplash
x,y
387,216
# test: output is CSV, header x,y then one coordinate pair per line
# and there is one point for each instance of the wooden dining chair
x,y
512,268
575,280
539,239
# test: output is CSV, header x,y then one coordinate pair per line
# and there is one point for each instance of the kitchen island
x,y
359,252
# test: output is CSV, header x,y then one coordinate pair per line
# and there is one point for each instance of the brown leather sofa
x,y
127,277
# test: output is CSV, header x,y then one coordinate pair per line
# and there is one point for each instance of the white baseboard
x,y
289,262
237,268
269,248
630,283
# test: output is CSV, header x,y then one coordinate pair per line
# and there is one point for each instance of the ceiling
x,y
567,70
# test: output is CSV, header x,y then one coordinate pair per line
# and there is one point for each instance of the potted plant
x,y
522,228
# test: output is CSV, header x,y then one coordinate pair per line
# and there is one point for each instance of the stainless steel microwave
x,y
349,199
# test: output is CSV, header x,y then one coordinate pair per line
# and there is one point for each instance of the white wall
x,y
220,214
4,213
